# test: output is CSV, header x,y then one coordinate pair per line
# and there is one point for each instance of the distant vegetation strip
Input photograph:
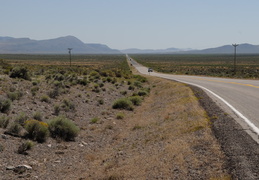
x,y
247,66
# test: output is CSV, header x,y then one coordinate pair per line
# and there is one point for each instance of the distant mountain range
x,y
227,49
153,51
10,45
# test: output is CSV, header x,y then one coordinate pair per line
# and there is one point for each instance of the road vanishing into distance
x,y
237,97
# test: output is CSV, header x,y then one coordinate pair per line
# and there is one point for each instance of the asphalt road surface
x,y
238,97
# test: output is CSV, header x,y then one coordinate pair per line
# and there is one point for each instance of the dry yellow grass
x,y
168,137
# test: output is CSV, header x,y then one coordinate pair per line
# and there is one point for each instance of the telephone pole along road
x,y
237,97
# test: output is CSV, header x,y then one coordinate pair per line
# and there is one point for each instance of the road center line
x,y
250,85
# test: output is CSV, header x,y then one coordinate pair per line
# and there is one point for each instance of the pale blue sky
x,y
144,24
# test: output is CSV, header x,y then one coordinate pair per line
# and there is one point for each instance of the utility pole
x,y
69,51
235,57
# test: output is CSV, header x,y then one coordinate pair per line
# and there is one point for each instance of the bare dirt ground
x,y
168,137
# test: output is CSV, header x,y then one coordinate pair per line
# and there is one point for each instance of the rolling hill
x,y
10,45
229,49
226,49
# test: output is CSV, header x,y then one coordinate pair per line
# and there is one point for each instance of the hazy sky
x,y
144,24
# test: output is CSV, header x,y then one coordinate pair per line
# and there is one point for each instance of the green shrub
x,y
21,119
123,103
54,92
63,128
37,130
68,105
37,116
138,84
124,92
131,87
120,115
140,78
83,81
16,95
109,79
142,93
4,121
5,105
59,77
34,83
25,146
14,129
20,72
136,100
114,80
94,74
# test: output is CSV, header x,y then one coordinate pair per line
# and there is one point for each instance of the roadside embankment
x,y
241,150
168,137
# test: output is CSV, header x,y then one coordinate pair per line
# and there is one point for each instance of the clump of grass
x,y
142,93
14,129
45,98
94,75
120,115
5,105
101,101
37,116
94,120
96,88
37,130
131,87
83,81
21,118
34,90
25,146
63,128
16,95
136,127
124,92
136,100
138,84
68,105
55,92
56,109
123,103
34,83
4,121
140,78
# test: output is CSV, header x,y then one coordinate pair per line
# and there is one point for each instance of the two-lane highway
x,y
239,98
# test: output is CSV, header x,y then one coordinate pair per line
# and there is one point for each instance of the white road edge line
x,y
250,124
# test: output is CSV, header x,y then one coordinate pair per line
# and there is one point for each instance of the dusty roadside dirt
x,y
168,137
241,150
